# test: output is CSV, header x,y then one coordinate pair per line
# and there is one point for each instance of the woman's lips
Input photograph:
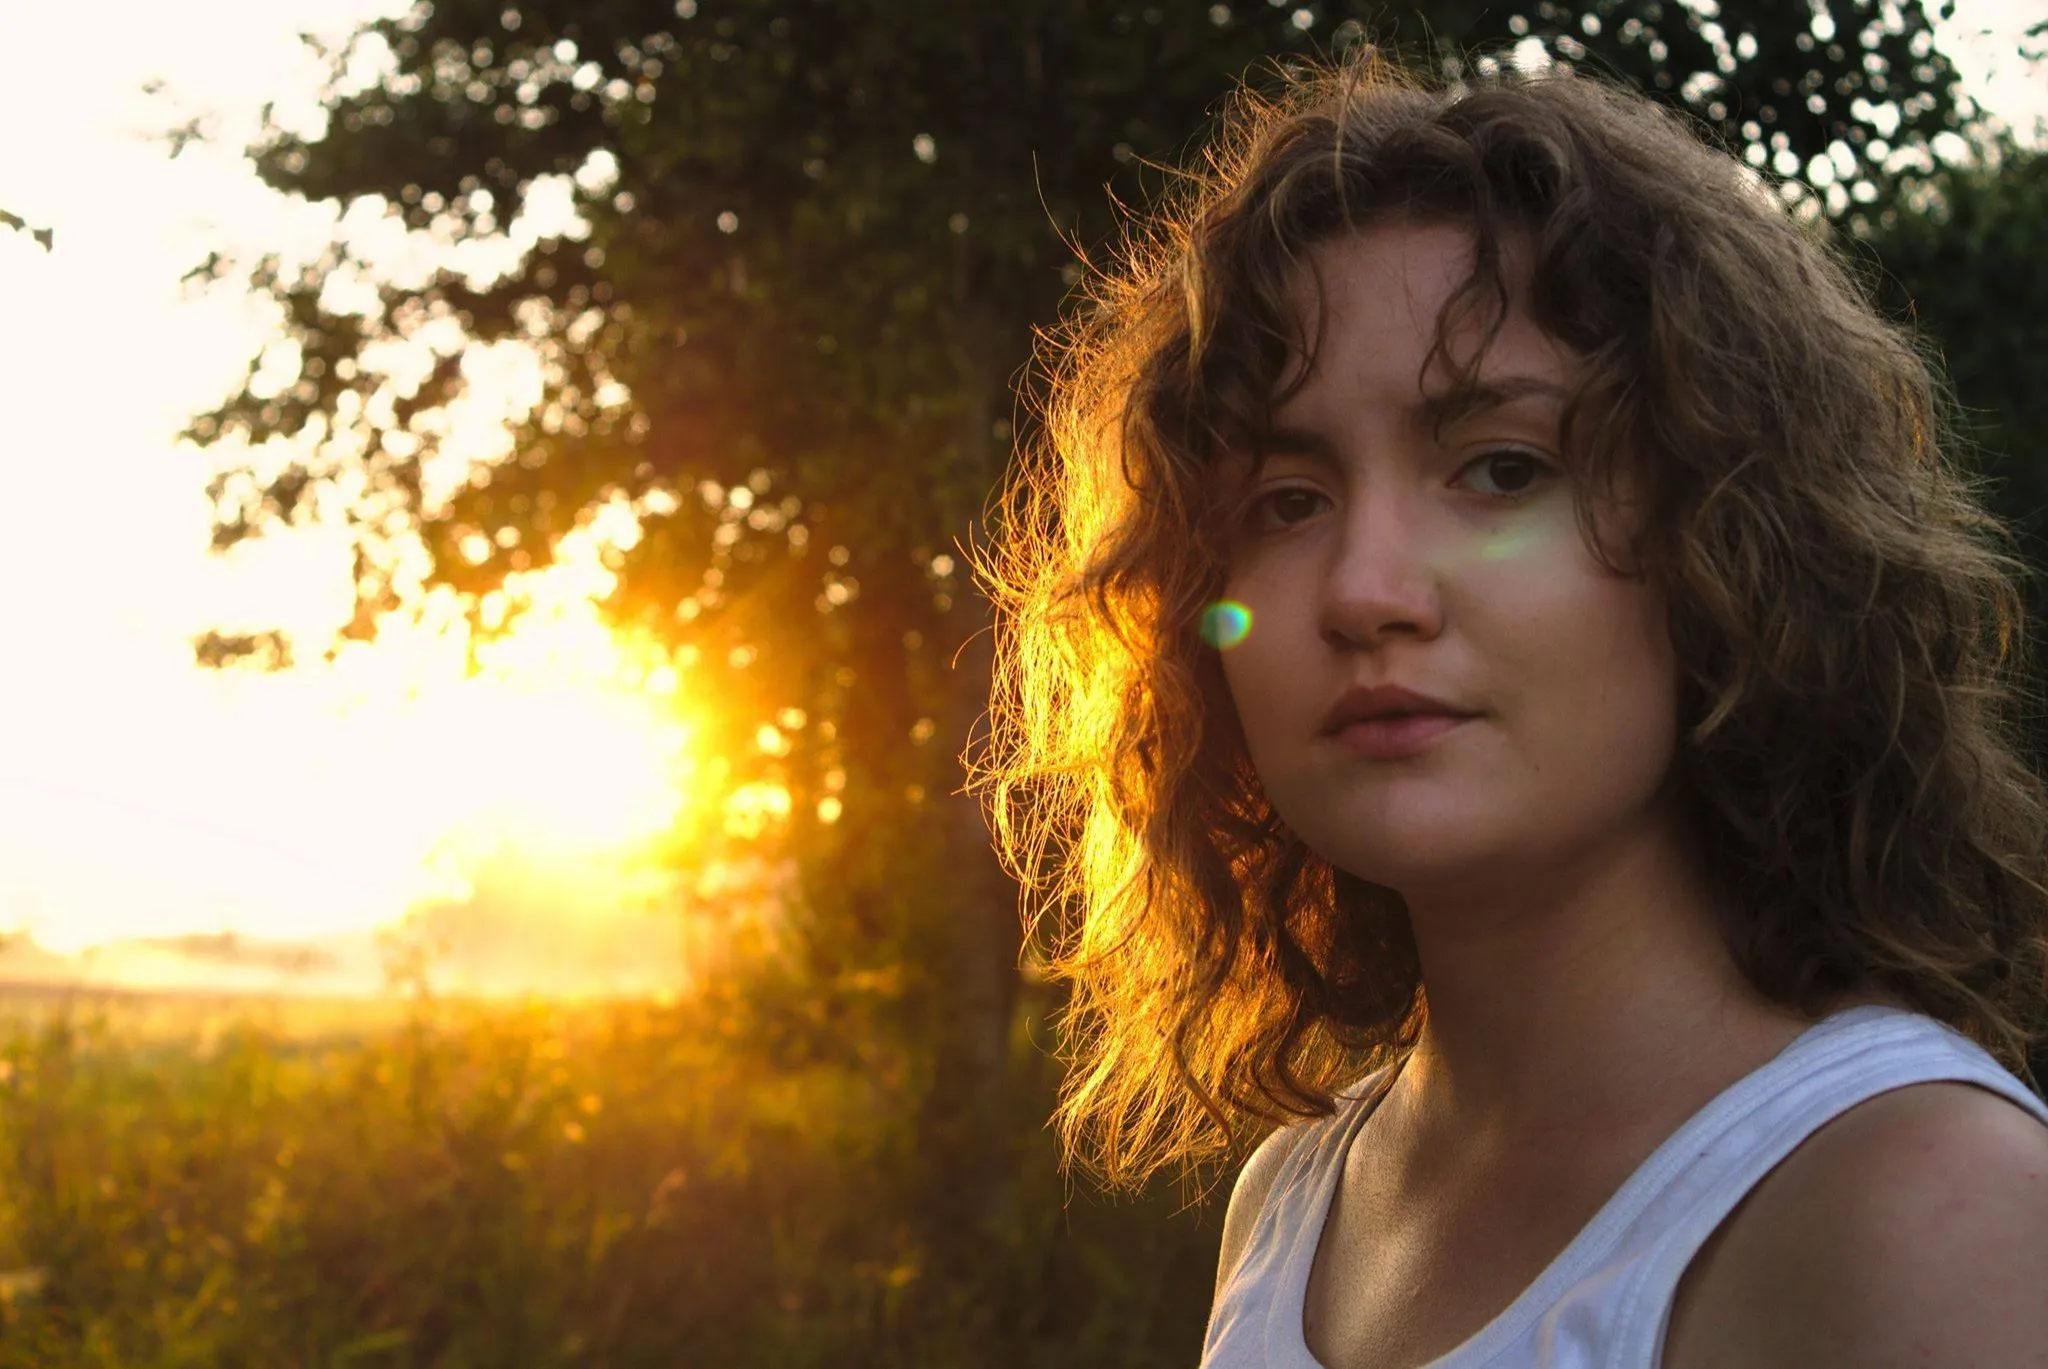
x,y
1391,738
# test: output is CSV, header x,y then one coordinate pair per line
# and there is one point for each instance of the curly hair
x,y
1845,614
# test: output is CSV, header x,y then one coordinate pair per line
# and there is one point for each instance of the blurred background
x,y
483,872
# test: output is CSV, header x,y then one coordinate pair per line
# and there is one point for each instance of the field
x,y
243,1183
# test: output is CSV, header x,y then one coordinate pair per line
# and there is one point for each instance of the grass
x,y
532,1185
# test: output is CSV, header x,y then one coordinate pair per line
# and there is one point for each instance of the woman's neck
x,y
1594,994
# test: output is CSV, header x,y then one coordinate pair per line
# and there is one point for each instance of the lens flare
x,y
1225,623
1511,544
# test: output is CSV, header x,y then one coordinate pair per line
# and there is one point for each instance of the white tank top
x,y
1604,1301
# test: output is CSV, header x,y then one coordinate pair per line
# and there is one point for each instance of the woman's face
x,y
1373,553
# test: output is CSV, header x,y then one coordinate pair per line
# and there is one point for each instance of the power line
x,y
177,819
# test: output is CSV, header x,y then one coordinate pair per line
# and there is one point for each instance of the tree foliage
x,y
829,234
1959,258
46,238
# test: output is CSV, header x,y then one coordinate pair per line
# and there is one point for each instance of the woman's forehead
x,y
1436,255
1371,311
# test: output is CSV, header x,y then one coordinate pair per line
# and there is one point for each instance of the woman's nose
x,y
1379,578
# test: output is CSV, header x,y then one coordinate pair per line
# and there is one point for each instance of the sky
x,y
142,797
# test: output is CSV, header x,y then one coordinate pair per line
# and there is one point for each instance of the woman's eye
x,y
1514,471
1286,507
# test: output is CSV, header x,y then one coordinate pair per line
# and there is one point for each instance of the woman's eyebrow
x,y
1424,415
1445,409
1300,443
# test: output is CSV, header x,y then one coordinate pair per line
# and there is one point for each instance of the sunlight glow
x,y
570,748
753,808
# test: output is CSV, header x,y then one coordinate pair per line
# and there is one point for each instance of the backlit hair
x,y
1845,615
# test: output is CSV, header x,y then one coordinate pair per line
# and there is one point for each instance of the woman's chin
x,y
1424,863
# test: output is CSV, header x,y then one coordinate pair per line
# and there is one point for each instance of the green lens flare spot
x,y
1509,545
1225,623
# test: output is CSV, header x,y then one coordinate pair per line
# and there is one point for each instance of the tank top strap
x,y
1605,1301
1279,1255
1689,1187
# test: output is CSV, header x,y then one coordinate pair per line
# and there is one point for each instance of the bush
x,y
533,1185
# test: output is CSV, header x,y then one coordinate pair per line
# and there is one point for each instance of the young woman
x,y
1498,658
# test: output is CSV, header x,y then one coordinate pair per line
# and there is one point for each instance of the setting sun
x,y
414,779
567,736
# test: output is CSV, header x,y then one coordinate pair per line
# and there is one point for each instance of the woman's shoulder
x,y
1916,1218
1263,1169
1248,1195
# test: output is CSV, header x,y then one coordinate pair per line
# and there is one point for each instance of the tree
x,y
45,238
1817,98
821,238
1958,257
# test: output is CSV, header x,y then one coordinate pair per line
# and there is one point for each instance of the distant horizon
x,y
341,966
